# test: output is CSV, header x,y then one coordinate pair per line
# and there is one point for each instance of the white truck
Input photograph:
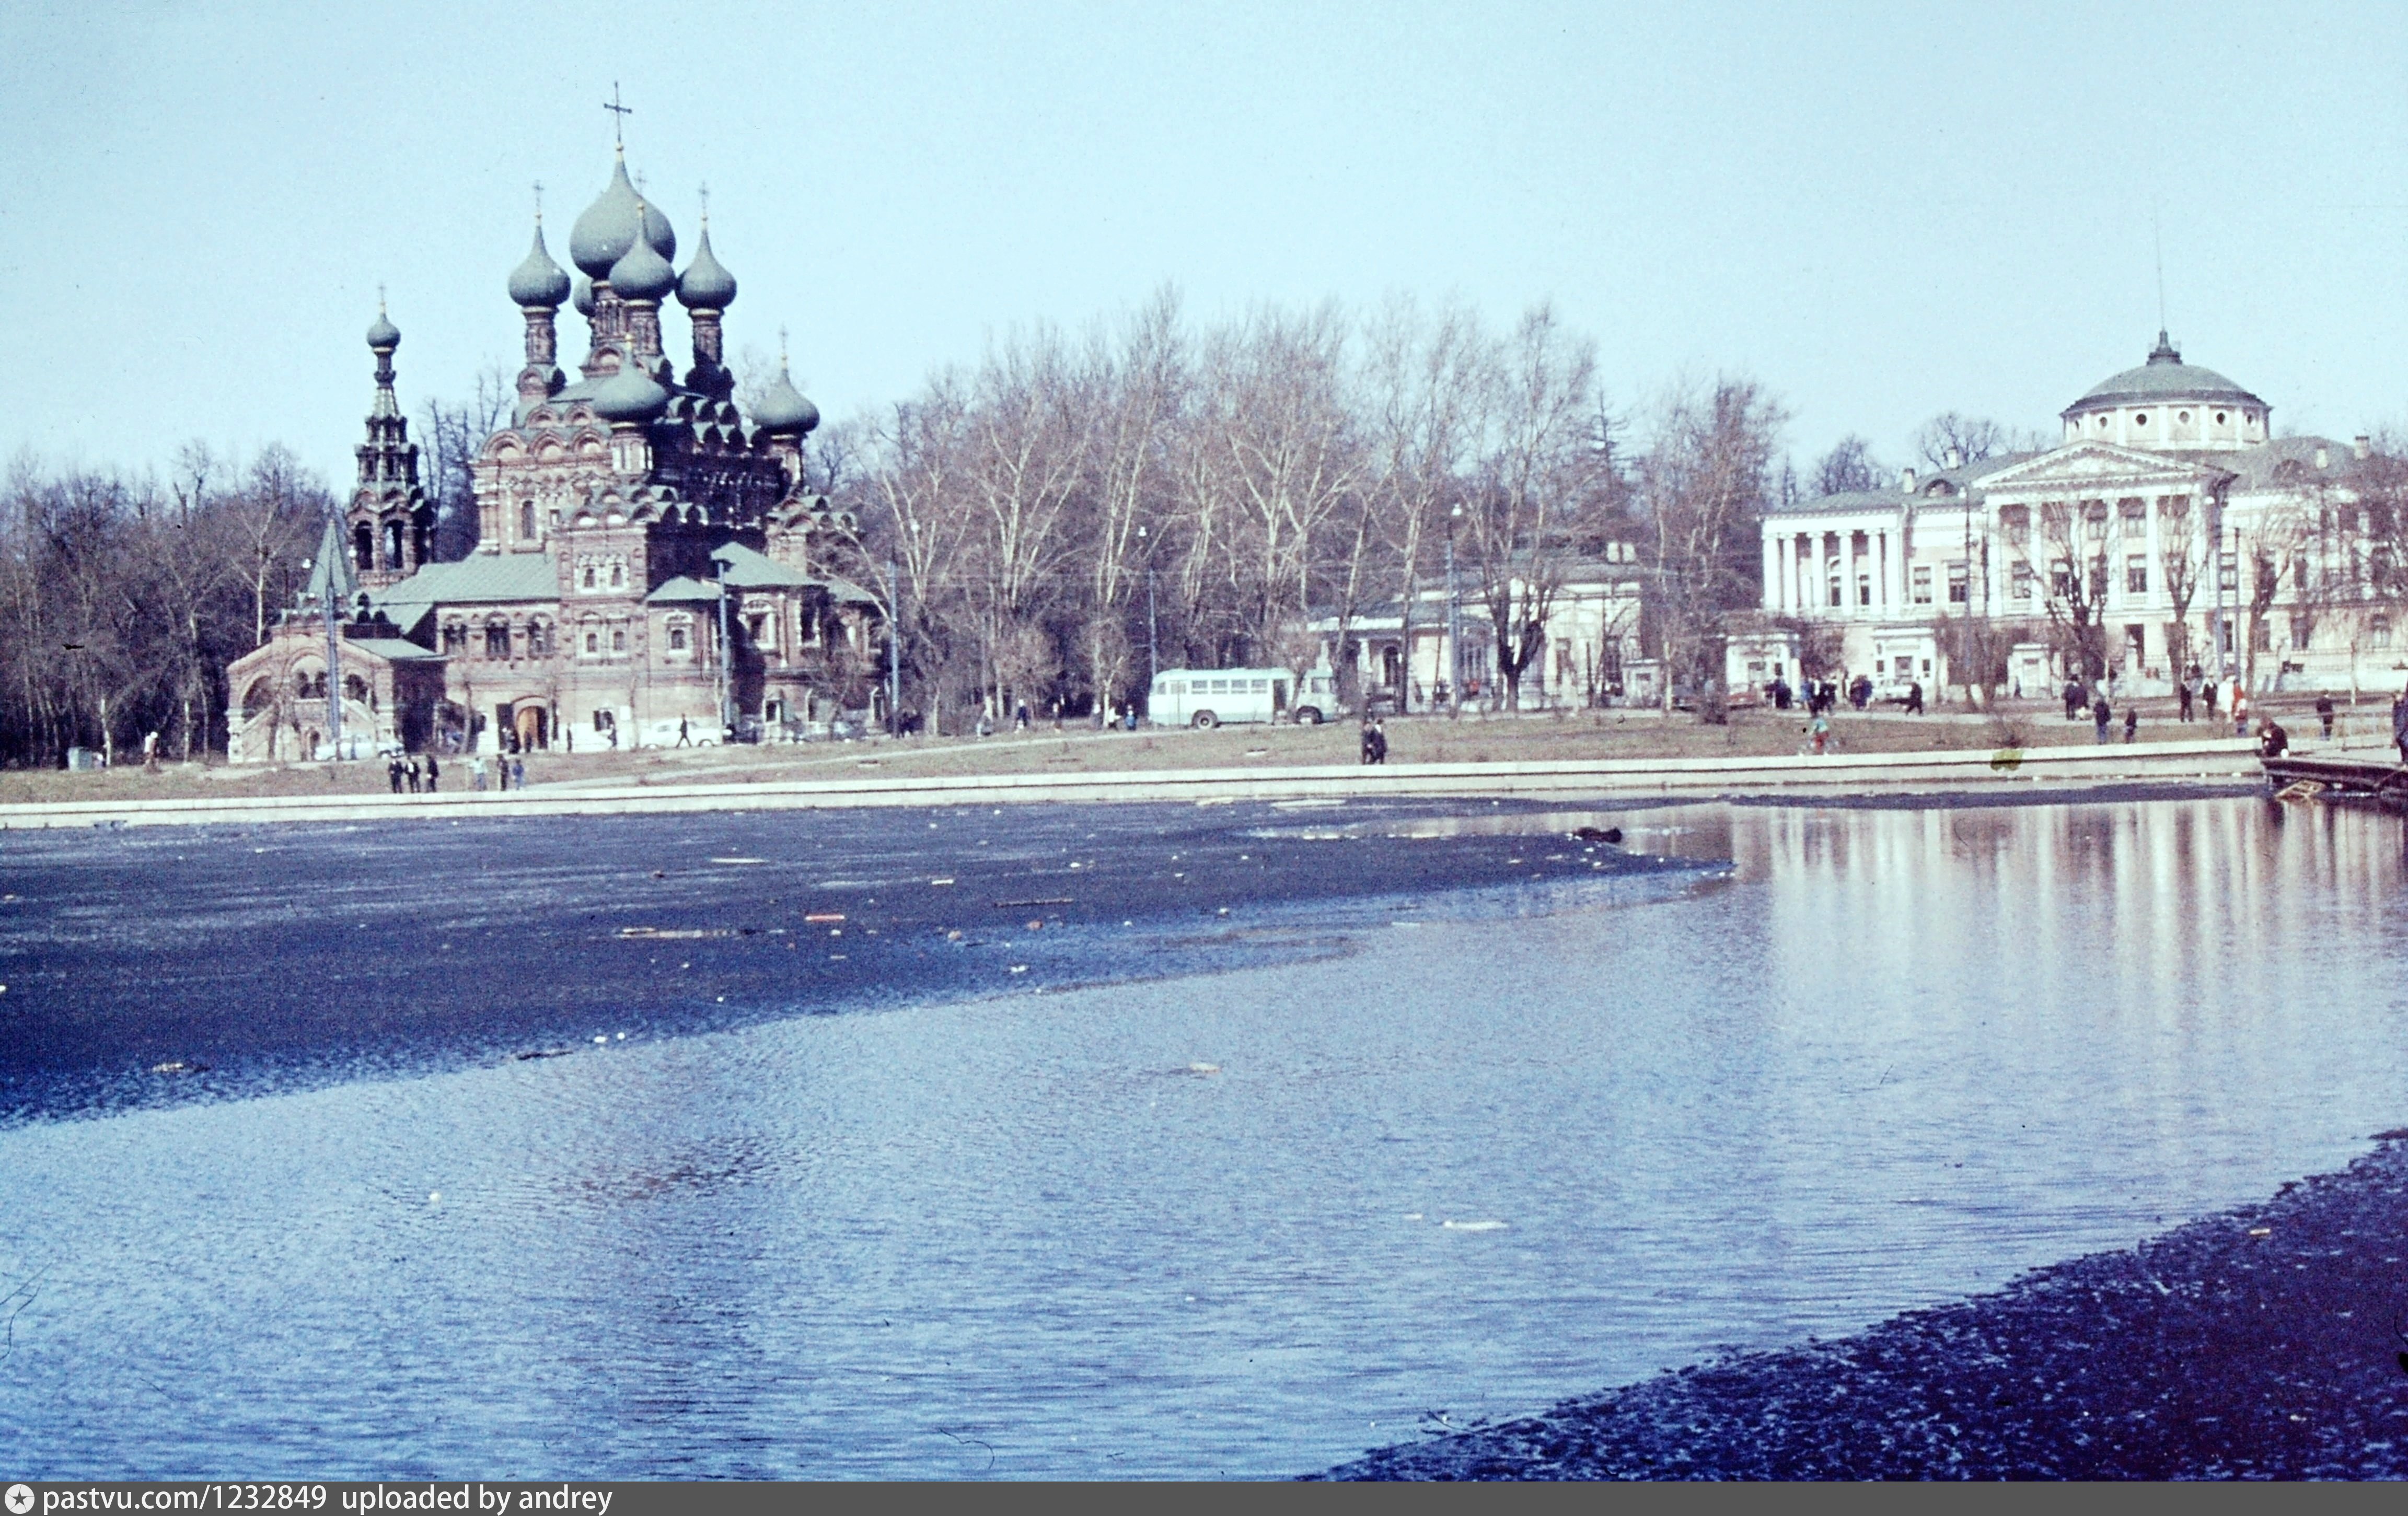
x,y
1208,697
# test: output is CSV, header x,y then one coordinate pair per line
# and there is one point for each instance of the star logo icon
x,y
21,1499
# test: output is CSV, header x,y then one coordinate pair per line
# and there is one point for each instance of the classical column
x,y
1771,573
1848,569
2157,562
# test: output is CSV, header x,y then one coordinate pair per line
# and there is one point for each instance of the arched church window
x,y
677,639
589,577
527,521
362,548
619,639
355,688
497,640
256,698
618,575
592,642
392,544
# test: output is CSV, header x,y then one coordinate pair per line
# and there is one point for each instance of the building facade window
x,y
497,640
677,639
1960,584
1922,584
618,639
592,642
2020,581
2379,631
2136,573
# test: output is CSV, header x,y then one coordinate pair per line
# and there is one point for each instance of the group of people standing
x,y
511,771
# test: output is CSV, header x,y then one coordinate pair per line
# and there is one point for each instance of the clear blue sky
x,y
1879,211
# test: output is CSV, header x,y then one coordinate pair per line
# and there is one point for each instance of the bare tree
x,y
1848,468
1703,487
1527,515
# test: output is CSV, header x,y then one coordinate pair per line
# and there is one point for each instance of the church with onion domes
x,y
649,567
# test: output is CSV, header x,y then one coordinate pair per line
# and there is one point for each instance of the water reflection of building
x,y
2170,528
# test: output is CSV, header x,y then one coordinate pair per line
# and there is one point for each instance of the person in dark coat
x,y
2325,714
411,774
2131,724
2072,699
392,772
2188,691
2273,741
2099,715
433,772
1914,697
2399,726
1370,741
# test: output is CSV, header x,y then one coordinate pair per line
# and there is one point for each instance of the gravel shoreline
x,y
2262,1343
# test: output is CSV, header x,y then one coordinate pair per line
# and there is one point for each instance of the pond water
x,y
1244,1223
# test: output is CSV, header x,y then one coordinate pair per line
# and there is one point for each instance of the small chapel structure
x,y
650,566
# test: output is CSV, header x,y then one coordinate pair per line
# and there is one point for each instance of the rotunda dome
x,y
2167,403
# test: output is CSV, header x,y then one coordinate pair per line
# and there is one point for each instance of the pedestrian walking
x,y
2325,715
392,772
685,734
1914,697
2073,697
477,774
2099,715
517,773
2131,724
2187,691
2207,698
1020,717
2237,702
432,772
1368,744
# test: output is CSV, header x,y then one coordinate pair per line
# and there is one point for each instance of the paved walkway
x,y
2220,761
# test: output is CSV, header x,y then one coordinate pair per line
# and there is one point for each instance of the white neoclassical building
x,y
2167,529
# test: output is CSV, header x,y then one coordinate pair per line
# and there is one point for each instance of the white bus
x,y
1207,697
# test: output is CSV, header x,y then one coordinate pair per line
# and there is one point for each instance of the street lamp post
x,y
894,648
333,668
727,658
1152,650
1453,621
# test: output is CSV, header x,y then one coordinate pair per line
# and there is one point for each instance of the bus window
x,y
1260,685
1162,686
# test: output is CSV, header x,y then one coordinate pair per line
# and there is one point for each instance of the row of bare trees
x,y
1042,521
123,597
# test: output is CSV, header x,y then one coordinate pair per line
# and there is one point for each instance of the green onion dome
x,y
706,285
781,407
383,335
607,230
629,395
538,280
